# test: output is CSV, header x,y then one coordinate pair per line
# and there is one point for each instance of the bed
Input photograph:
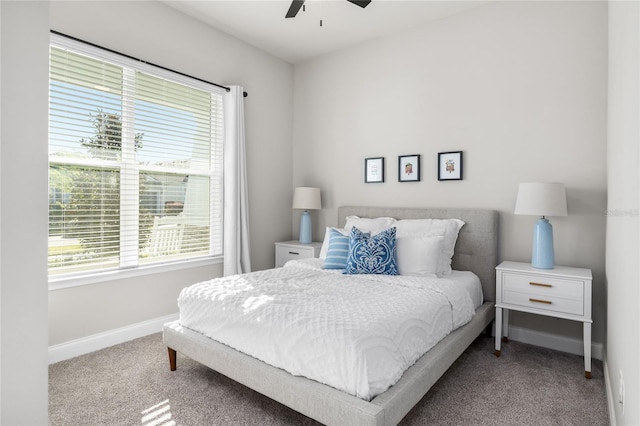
x,y
475,251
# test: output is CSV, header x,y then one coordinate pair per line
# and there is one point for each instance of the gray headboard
x,y
477,246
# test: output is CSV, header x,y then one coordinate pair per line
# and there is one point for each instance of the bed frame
x,y
476,250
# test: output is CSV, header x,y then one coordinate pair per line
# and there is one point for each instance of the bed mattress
x,y
356,333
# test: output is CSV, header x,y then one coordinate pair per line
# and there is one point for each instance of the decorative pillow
x,y
419,254
372,254
449,228
370,225
337,251
325,241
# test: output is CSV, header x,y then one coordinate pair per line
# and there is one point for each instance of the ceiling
x,y
262,24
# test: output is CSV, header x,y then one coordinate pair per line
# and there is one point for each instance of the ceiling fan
x,y
297,4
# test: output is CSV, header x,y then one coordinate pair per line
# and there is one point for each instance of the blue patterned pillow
x,y
337,251
372,254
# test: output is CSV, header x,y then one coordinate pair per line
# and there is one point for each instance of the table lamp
x,y
305,198
542,199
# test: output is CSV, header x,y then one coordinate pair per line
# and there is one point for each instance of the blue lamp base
x,y
305,227
542,254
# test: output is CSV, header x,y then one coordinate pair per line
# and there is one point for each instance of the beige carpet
x,y
130,384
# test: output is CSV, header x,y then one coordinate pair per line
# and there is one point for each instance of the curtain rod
x,y
244,94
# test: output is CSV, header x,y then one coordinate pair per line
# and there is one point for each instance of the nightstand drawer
x,y
544,286
286,254
292,250
542,302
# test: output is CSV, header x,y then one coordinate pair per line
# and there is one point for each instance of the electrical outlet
x,y
621,392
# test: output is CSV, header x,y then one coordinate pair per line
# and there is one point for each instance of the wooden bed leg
x,y
172,359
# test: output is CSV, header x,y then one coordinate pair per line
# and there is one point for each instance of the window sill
x,y
59,283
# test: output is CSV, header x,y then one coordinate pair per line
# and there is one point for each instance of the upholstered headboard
x,y
477,246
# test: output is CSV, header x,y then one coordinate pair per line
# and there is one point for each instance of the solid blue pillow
x,y
337,251
372,254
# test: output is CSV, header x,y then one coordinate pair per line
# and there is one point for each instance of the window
x,y
135,163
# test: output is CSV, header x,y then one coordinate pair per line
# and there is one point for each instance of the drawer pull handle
x,y
294,252
541,285
540,301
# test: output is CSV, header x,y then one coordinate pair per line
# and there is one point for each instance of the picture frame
x,y
374,170
450,165
409,168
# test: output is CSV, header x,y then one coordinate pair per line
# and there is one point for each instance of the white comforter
x,y
357,333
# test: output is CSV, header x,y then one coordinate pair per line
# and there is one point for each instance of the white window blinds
x,y
135,163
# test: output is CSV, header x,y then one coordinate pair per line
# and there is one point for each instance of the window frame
x,y
127,266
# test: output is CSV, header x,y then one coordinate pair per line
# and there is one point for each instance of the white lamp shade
x,y
541,199
306,198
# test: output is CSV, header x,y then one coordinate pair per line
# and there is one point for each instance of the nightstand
x,y
561,292
289,250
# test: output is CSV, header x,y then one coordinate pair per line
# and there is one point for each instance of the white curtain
x,y
236,211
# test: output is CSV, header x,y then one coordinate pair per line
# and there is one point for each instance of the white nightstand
x,y
289,250
561,292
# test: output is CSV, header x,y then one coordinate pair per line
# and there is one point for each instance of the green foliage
x,y
90,208
86,204
108,134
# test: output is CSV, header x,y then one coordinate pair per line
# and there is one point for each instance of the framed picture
x,y
409,168
450,165
374,170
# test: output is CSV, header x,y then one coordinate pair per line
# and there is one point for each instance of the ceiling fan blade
x,y
294,8
361,3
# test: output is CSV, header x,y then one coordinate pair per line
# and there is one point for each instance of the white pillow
x,y
428,227
372,226
448,228
449,243
419,254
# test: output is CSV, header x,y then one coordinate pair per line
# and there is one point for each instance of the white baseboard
x,y
553,341
609,391
99,341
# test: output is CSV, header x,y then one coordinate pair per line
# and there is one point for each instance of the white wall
x,y
520,87
623,230
23,178
159,34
